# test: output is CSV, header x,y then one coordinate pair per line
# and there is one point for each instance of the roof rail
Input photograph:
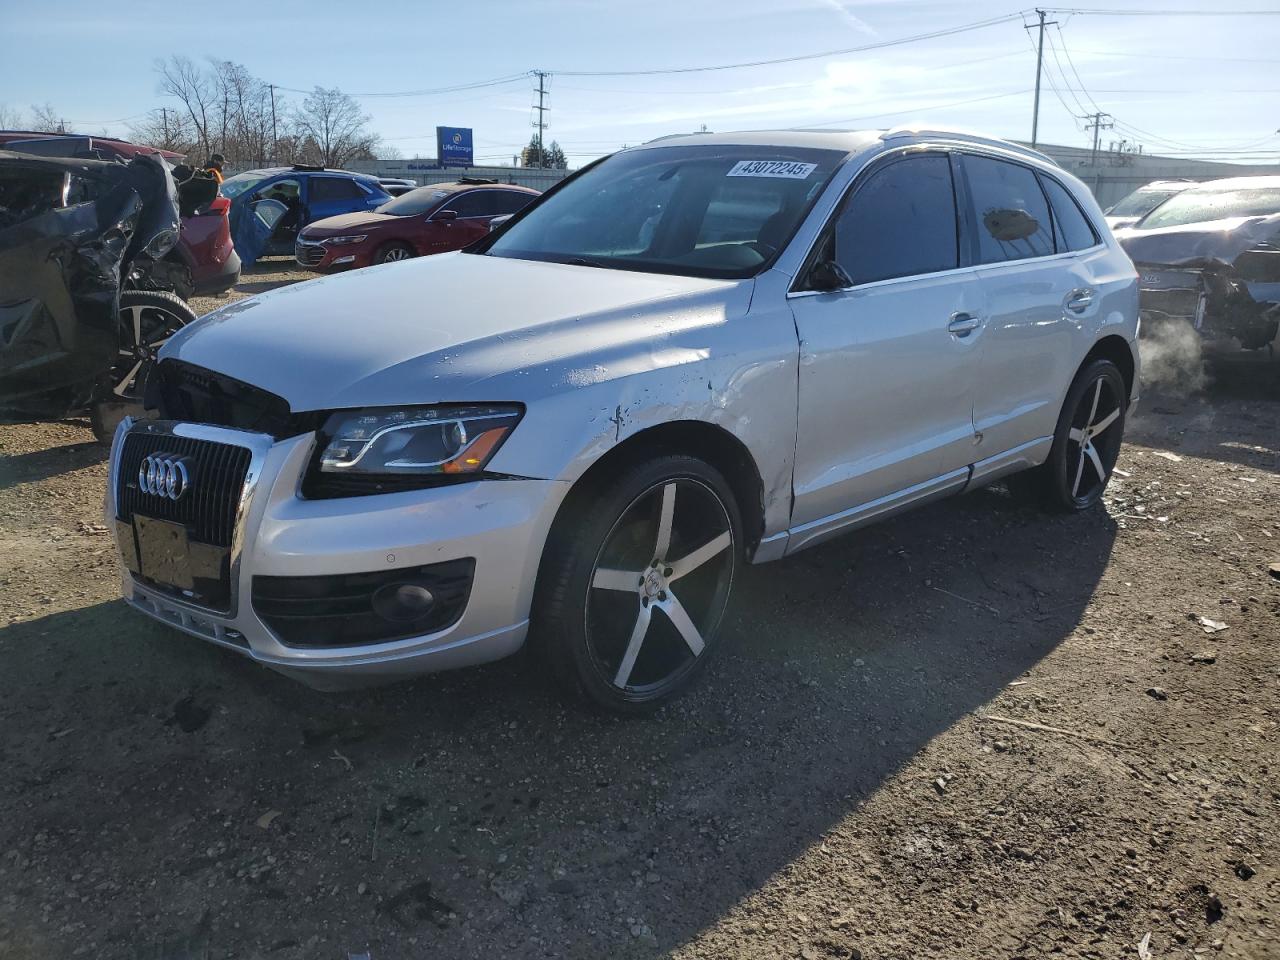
x,y
968,136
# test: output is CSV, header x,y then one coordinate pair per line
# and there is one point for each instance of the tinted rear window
x,y
1072,227
1010,211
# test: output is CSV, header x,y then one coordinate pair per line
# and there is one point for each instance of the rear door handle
x,y
962,324
1079,300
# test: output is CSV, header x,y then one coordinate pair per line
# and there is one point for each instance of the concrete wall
x,y
1112,176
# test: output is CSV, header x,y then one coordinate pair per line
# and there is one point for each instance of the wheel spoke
x,y
136,313
1075,487
1106,421
675,611
626,580
697,558
664,521
1097,461
633,647
123,385
1097,395
1076,434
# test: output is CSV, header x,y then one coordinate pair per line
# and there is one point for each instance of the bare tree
x,y
332,129
10,117
191,87
45,119
166,129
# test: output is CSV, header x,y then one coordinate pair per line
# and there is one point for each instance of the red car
x,y
431,219
204,261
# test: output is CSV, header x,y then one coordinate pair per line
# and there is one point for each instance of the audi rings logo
x,y
164,475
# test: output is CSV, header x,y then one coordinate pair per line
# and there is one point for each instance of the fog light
x,y
347,259
403,602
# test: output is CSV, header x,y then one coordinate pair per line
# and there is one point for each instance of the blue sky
x,y
1190,84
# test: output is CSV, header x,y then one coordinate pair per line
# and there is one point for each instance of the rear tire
x,y
1086,443
635,580
393,253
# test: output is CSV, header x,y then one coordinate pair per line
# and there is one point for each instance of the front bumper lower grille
x,y
346,610
308,254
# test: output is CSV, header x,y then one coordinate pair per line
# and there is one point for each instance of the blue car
x,y
270,206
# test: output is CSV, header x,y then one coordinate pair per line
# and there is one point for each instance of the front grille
x,y
308,254
183,391
217,476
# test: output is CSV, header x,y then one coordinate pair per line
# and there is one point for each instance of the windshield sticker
x,y
772,168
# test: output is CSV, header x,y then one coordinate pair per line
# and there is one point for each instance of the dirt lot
x,y
973,732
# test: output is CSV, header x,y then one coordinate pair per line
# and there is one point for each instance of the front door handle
x,y
1078,301
962,324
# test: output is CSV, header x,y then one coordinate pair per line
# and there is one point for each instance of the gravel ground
x,y
971,732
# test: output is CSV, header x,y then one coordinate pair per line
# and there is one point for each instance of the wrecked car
x,y
703,352
1210,257
1136,205
77,331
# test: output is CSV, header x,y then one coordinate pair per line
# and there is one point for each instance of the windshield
x,y
1142,201
232,187
1197,206
700,211
414,202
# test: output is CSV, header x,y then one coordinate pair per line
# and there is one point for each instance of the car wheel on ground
x,y
636,578
1086,443
148,318
393,252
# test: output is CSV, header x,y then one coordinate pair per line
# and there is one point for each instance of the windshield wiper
x,y
584,262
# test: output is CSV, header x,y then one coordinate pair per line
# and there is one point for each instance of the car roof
x,y
277,171
1236,183
850,141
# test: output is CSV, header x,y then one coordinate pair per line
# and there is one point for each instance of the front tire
x,y
636,578
393,253
1086,444
147,319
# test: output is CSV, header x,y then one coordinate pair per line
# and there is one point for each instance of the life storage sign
x,y
785,169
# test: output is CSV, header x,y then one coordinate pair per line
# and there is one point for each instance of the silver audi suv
x,y
699,353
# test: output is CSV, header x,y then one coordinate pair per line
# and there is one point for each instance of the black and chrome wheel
x,y
636,580
1086,443
393,253
147,319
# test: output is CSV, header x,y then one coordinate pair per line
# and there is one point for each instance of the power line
x,y
1095,12
932,106
431,91
950,31
1169,56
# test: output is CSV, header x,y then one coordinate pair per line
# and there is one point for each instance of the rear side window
x,y
1010,213
335,188
509,201
900,222
1071,227
477,203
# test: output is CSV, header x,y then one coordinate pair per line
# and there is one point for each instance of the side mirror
x,y
827,275
445,215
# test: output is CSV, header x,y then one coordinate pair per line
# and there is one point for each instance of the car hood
x,y
345,222
454,327
1198,244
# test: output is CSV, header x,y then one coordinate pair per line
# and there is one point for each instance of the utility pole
x,y
1035,111
541,122
274,142
1097,125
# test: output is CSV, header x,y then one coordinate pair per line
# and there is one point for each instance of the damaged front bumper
x,y
1213,299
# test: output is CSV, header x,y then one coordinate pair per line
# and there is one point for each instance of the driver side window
x,y
900,222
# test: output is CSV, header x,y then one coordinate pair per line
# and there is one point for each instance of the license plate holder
x,y
164,553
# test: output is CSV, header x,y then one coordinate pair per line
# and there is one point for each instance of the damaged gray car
x,y
80,319
1210,257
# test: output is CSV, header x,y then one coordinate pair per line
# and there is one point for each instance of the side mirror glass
x,y
827,275
446,215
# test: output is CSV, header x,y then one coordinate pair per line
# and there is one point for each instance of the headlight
x,y
161,244
339,241
431,441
